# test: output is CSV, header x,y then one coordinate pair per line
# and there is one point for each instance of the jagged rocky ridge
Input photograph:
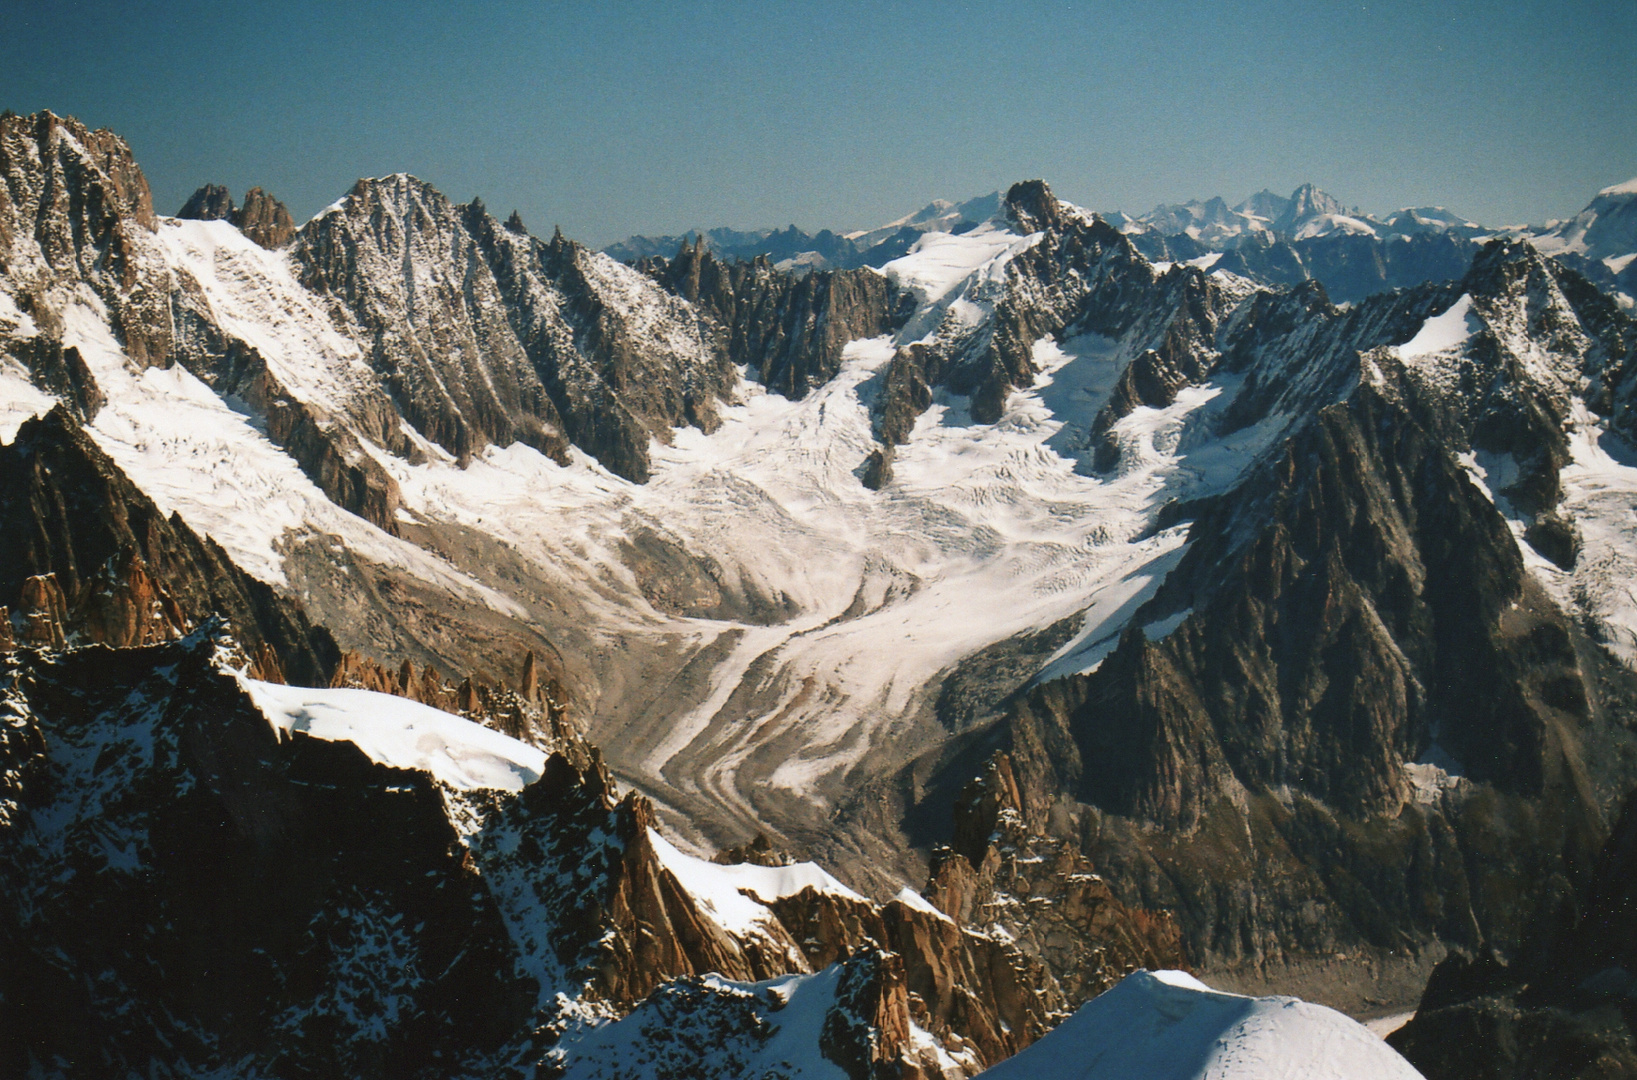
x,y
88,557
484,334
187,884
1351,717
262,218
790,330
1082,276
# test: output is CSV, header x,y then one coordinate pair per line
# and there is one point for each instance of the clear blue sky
x,y
615,118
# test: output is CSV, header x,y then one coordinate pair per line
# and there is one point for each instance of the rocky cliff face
x,y
186,884
1558,1007
1082,276
262,218
1350,691
790,329
183,886
120,572
484,335
75,210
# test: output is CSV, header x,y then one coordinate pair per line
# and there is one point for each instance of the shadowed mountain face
x,y
1351,716
1557,1007
188,883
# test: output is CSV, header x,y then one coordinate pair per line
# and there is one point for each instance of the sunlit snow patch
x,y
1168,1025
401,733
1441,332
735,896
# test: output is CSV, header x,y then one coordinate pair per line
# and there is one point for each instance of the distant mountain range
x,y
792,249
1268,238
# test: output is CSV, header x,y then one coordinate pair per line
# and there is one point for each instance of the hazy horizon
x,y
657,119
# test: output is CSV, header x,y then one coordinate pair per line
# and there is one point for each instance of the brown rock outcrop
x,y
542,716
265,220
212,202
660,931
262,218
44,612
74,207
1044,894
62,373
867,1033
124,605
529,684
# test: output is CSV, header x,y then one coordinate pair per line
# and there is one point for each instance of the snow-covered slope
x,y
1307,214
403,734
790,1028
1167,1025
1606,229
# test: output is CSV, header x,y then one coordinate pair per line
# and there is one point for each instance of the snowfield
x,y
1167,1025
401,733
736,896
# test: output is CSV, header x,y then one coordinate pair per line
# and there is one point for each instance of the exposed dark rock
x,y
265,220
790,329
529,684
649,371
75,207
1263,257
876,472
1082,275
1354,266
867,1033
43,612
62,373
72,514
906,391
262,218
1354,605
1562,1009
1044,893
210,203
961,984
758,851
1556,538
503,338
441,342
1032,207
182,886
325,447
530,716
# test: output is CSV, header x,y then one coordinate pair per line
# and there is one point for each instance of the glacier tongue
x,y
988,531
